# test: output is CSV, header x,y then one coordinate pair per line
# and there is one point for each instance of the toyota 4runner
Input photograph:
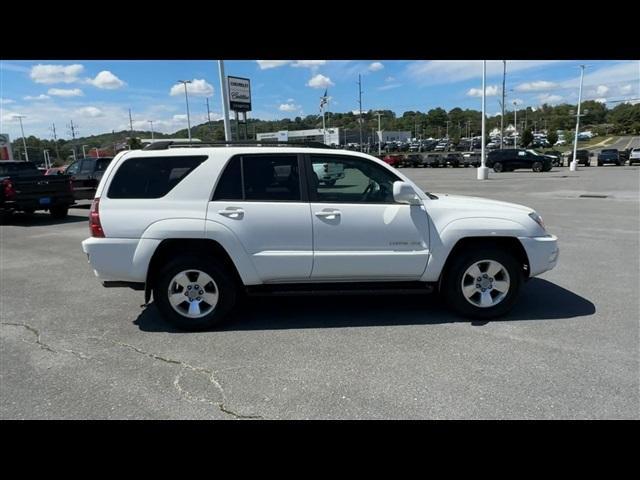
x,y
200,227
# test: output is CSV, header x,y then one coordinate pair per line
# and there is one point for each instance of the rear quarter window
x,y
151,177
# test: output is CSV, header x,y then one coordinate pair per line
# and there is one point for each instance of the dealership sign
x,y
239,94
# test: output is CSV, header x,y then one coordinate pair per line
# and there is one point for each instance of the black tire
x,y
599,164
59,212
498,167
227,292
451,285
29,211
537,166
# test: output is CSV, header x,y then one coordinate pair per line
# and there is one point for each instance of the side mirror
x,y
404,193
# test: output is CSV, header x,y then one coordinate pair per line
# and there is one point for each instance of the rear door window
x,y
151,177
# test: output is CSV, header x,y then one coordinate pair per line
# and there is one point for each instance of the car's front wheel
x,y
194,293
498,167
537,166
483,283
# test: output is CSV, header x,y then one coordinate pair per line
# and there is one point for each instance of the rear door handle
x,y
232,212
328,214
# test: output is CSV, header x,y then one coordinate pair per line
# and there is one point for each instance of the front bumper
x,y
542,253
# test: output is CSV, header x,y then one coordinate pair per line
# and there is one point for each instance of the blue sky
x,y
96,95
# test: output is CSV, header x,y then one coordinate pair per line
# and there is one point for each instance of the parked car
x,y
471,159
556,157
609,156
433,160
85,176
157,226
23,188
634,156
583,157
510,159
413,160
624,155
393,160
441,147
454,160
328,173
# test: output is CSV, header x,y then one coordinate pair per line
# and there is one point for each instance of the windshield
x,y
534,152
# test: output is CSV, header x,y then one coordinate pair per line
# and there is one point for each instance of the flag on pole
x,y
323,100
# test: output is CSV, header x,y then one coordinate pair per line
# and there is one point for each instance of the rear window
x,y
19,169
609,151
151,177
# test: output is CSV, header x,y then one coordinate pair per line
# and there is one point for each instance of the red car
x,y
393,160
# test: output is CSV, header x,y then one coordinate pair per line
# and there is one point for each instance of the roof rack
x,y
166,144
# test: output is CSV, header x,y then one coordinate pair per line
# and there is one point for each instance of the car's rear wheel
x,y
537,166
194,293
483,283
498,167
59,212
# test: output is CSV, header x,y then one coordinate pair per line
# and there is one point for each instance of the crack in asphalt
x,y
209,375
43,345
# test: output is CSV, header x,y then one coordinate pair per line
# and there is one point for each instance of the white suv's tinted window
x,y
350,180
266,178
151,177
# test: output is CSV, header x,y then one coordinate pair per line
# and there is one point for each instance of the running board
x,y
368,288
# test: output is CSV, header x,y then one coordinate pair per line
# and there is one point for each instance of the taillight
x,y
9,190
95,228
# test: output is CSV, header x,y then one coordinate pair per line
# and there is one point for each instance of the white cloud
x,y
538,86
601,100
602,90
436,72
389,79
266,64
42,96
492,90
308,63
375,66
391,86
288,107
179,118
197,87
56,73
106,80
6,101
92,112
626,89
290,100
65,92
549,99
320,81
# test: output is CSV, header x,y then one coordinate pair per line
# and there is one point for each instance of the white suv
x,y
199,226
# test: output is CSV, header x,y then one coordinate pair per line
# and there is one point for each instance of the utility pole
x,y
24,141
151,123
574,164
209,115
360,104
483,171
186,97
74,129
55,140
379,134
504,77
515,124
225,101
448,122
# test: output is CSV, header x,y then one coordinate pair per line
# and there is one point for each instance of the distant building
x,y
311,135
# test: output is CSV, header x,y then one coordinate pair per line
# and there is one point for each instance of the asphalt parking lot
x,y
71,349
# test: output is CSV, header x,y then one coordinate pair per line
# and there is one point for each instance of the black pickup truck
x,y
86,175
24,188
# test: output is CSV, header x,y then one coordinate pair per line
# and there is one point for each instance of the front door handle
x,y
328,214
232,212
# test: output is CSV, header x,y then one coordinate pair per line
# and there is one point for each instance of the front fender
x,y
442,242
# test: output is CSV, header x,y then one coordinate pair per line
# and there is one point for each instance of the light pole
x,y
515,124
448,122
186,97
225,101
483,171
574,164
151,123
84,153
24,141
379,134
97,152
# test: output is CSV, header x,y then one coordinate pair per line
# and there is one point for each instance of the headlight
x,y
538,219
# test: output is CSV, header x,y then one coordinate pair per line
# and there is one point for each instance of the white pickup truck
x,y
199,226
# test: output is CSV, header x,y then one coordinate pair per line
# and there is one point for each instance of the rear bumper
x,y
542,253
34,203
119,259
